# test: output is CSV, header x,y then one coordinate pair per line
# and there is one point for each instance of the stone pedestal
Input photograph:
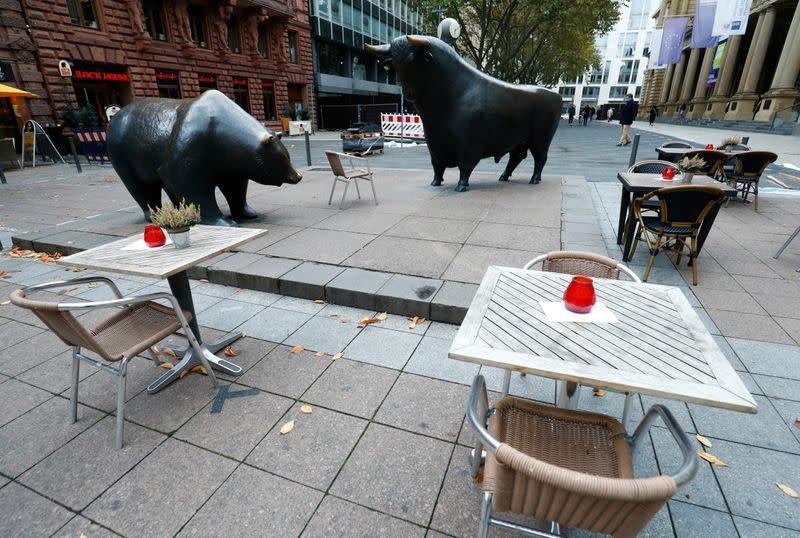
x,y
777,99
741,107
697,108
718,104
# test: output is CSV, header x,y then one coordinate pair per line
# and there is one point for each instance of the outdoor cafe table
x,y
126,257
634,184
658,347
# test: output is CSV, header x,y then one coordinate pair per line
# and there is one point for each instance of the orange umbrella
x,y
10,91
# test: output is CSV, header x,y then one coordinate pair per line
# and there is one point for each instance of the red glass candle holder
x,y
668,173
154,236
579,296
709,146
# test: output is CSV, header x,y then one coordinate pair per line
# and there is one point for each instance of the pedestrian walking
x,y
599,114
627,113
610,114
585,114
653,115
591,114
571,113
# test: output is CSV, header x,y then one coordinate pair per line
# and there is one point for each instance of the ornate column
x,y
698,102
690,79
782,92
719,99
741,107
665,84
675,86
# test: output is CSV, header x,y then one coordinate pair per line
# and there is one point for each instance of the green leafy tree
x,y
528,41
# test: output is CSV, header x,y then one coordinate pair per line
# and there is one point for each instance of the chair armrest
x,y
73,281
688,468
364,159
625,269
537,259
477,410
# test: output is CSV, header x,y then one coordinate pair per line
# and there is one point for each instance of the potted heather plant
x,y
689,167
176,220
730,142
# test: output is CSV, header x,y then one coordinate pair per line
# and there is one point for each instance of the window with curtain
x,y
293,56
82,13
154,19
240,94
197,24
234,38
263,40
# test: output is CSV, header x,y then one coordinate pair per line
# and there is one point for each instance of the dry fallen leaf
x,y
4,303
711,458
230,352
169,351
155,351
298,348
286,428
306,409
72,289
337,356
704,441
333,314
787,490
92,284
599,392
167,365
319,301
368,321
319,353
184,373
3,274
204,280
61,292
360,326
797,423
77,269
381,316
345,321
200,370
413,323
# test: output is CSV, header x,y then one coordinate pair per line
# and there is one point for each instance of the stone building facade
x,y
759,76
258,52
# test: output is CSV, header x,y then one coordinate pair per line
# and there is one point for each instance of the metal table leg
x,y
179,285
786,244
569,394
624,202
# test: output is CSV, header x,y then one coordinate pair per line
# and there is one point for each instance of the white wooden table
x,y
171,263
659,346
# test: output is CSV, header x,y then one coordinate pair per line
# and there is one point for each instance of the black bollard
x,y
75,155
308,148
2,178
634,149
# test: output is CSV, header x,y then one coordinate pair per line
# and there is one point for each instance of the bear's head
x,y
272,163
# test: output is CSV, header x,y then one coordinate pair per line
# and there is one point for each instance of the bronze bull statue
x,y
469,115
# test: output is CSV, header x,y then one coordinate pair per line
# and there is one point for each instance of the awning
x,y
10,91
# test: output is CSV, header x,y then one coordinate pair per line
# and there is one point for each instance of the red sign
x,y
99,75
166,75
267,84
207,78
242,81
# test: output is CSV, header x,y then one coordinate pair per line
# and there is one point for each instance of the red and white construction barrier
x,y
409,124
93,144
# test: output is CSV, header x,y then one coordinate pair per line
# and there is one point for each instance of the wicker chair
x,y
136,324
676,144
714,161
351,174
651,167
581,263
570,468
682,211
747,170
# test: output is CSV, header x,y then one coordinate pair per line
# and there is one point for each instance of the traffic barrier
x,y
409,127
93,143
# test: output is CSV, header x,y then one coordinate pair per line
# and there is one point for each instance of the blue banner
x,y
672,40
704,25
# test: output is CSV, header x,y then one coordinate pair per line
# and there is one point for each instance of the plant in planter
x,y
731,141
176,220
690,166
304,115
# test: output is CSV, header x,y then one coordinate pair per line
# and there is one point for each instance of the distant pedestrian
x,y
585,114
571,113
653,115
610,114
627,113
682,113
591,114
599,114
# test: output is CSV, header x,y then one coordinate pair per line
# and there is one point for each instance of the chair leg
x,y
680,252
344,194
486,514
76,372
649,266
333,188
635,242
694,261
374,196
755,197
358,192
121,386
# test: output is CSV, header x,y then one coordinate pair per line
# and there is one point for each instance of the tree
x,y
528,41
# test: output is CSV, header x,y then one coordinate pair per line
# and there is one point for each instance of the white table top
x,y
659,347
206,242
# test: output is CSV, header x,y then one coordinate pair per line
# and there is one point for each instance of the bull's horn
x,y
419,41
267,138
381,50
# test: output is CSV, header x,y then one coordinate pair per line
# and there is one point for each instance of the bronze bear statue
x,y
469,115
190,147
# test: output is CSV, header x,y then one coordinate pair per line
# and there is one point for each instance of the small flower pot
x,y
687,177
180,238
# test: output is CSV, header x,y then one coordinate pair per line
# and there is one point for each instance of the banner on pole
x,y
720,54
655,49
731,17
702,30
672,40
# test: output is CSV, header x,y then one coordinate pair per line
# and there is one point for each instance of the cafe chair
x,y
136,324
582,263
347,175
714,161
682,211
676,144
746,170
568,468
